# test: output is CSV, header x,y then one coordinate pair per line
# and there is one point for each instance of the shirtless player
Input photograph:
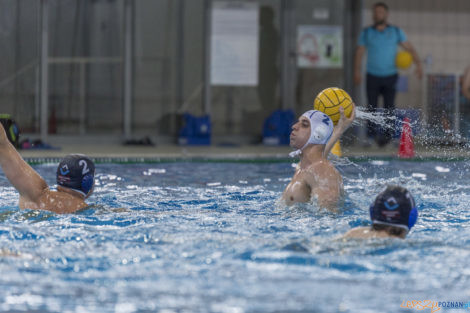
x,y
315,177
75,180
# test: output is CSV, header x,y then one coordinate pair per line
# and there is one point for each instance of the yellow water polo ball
x,y
330,99
403,60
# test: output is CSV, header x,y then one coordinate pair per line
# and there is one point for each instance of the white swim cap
x,y
321,129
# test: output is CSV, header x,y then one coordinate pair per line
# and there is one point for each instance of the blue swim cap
x,y
394,206
77,172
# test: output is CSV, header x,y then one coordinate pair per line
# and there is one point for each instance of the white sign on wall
x,y
234,43
319,46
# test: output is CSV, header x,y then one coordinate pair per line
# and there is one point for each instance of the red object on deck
x,y
407,148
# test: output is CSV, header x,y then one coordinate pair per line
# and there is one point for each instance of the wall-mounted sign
x,y
319,46
234,43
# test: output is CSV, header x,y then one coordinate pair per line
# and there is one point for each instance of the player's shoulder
x,y
321,168
359,232
61,202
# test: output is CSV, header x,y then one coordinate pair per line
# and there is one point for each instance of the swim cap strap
x,y
87,183
295,153
413,217
77,190
391,224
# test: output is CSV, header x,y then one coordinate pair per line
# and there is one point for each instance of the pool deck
x,y
113,151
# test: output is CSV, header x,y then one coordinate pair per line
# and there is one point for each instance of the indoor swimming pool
x,y
213,237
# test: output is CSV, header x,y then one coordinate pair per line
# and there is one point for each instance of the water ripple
x,y
169,239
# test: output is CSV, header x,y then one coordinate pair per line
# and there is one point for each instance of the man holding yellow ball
x,y
381,42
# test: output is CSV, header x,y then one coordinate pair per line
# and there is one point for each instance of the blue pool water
x,y
211,237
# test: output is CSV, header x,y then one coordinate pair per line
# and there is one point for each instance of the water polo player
x,y
315,177
393,214
75,180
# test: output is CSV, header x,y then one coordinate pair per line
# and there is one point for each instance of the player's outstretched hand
x,y
345,122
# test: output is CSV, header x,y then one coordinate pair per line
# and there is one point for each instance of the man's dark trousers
x,y
385,86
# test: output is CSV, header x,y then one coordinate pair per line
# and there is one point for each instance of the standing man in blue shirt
x,y
381,41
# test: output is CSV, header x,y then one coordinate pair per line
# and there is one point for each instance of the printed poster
x,y
319,46
234,43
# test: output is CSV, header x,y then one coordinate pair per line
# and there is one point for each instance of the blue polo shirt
x,y
381,48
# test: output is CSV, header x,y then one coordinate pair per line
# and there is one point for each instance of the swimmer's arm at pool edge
x,y
29,184
343,124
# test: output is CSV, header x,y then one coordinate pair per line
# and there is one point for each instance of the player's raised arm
x,y
343,124
29,184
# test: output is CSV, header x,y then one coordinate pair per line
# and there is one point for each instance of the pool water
x,y
212,237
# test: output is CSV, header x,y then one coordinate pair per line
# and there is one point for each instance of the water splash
x,y
363,113
381,118
437,136
344,162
